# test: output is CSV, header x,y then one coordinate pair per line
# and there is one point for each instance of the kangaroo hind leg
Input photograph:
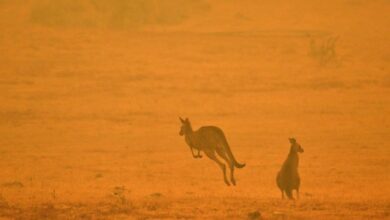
x,y
282,193
212,156
223,155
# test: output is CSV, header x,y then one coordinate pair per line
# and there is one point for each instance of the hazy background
x,y
91,92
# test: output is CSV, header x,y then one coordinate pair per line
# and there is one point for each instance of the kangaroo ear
x,y
187,120
182,120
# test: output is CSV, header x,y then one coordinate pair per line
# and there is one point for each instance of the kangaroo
x,y
288,178
210,140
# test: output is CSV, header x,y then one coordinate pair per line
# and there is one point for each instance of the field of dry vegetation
x,y
91,93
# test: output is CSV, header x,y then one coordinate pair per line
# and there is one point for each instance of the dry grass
x,y
89,121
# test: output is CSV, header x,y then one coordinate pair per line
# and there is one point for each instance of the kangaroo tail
x,y
230,154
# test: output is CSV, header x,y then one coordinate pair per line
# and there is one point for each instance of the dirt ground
x,y
89,114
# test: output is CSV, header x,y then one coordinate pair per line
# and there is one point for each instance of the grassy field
x,y
89,114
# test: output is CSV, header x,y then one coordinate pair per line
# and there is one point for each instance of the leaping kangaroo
x,y
210,139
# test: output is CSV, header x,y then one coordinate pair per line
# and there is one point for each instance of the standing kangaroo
x,y
210,139
288,178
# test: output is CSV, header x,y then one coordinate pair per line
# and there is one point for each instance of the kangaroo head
x,y
295,147
185,126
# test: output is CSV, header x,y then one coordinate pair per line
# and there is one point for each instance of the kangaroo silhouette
x,y
288,177
210,140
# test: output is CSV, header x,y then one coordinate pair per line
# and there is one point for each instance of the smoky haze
x,y
91,93
108,14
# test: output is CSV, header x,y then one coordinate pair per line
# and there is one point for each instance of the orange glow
x,y
92,91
